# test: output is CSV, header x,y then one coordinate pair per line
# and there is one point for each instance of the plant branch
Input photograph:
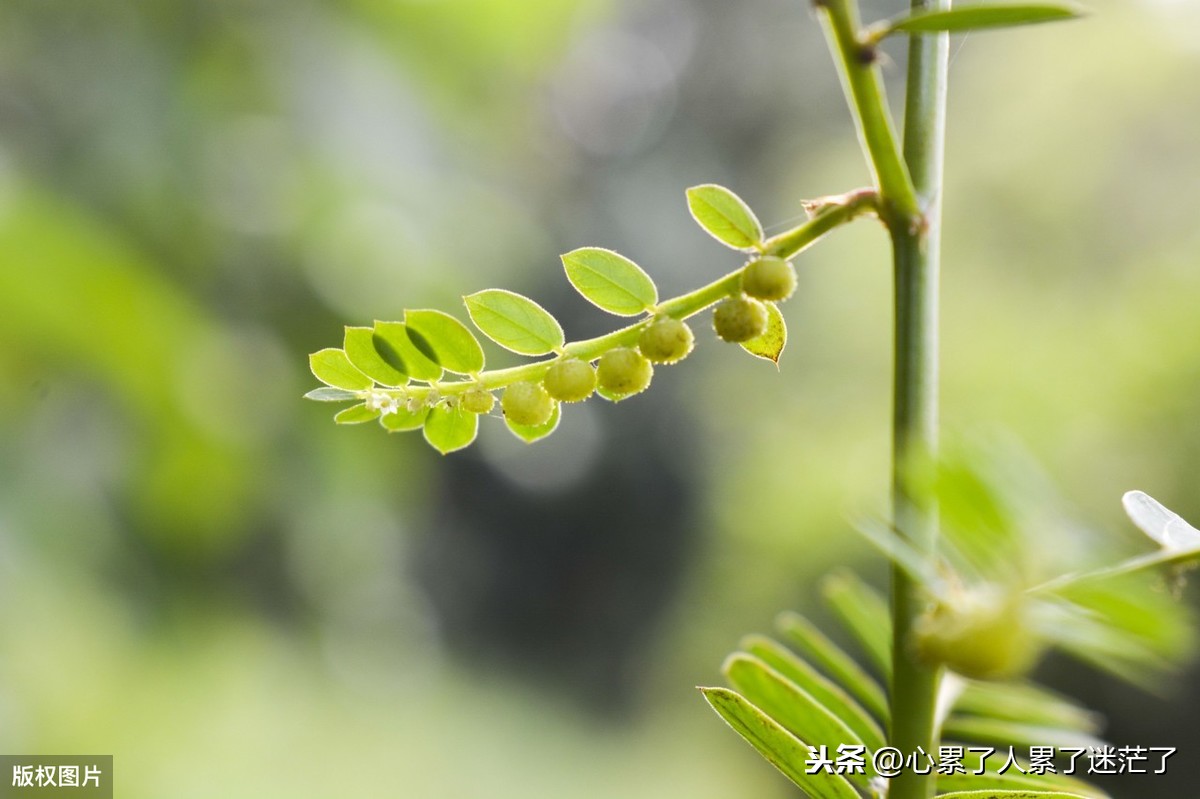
x,y
830,213
915,410
863,84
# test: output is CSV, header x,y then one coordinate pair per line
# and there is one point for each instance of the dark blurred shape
x,y
562,571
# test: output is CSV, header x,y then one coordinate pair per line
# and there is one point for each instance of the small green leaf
x,y
356,414
514,322
782,749
1004,732
333,368
360,349
449,429
331,395
1011,780
610,281
822,689
769,346
865,614
404,419
980,17
792,707
445,340
531,433
1027,703
1008,794
724,216
834,661
392,342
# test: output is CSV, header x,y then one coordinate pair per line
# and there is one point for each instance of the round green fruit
x,y
769,278
527,404
981,635
666,340
740,319
570,381
624,371
478,401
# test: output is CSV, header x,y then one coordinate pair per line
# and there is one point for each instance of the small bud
x,y
740,319
666,340
478,401
982,634
624,371
570,380
769,278
527,403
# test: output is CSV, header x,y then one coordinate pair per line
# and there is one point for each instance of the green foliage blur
x,y
202,575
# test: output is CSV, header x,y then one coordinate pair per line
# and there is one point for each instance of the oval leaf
x,y
449,429
446,340
531,433
514,322
769,346
783,750
724,216
392,342
333,368
981,17
1166,527
404,419
360,349
610,281
356,414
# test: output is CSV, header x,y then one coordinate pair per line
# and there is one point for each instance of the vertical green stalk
x,y
916,256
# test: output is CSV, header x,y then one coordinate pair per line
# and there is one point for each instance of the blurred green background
x,y
201,575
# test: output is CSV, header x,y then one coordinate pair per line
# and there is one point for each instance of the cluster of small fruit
x,y
625,371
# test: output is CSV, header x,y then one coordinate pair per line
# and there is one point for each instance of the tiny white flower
x,y
381,401
388,404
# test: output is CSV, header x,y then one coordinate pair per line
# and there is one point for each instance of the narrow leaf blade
x,y
769,346
724,216
793,708
333,368
865,614
531,433
449,341
1008,794
982,17
359,344
326,394
824,690
514,322
610,281
833,660
449,429
782,749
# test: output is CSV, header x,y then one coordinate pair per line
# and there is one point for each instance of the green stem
x,y
863,84
916,265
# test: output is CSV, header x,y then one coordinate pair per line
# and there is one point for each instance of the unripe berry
x,y
624,371
570,381
769,278
982,635
527,404
740,319
478,401
666,340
